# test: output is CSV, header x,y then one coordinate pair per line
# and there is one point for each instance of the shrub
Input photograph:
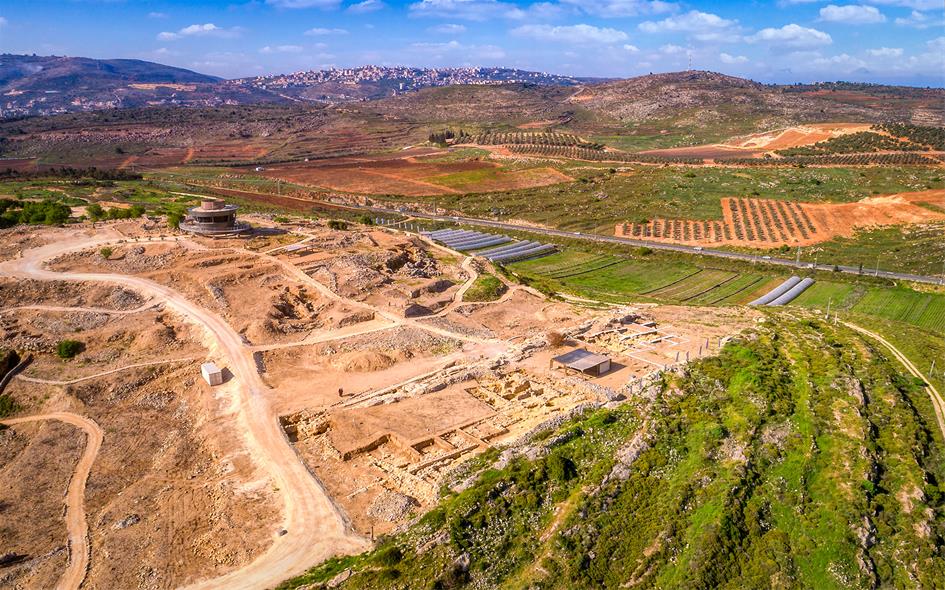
x,y
561,468
174,218
366,220
389,556
555,339
338,224
67,349
106,252
95,212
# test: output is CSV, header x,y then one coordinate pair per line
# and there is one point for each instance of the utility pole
x,y
877,266
932,368
829,302
797,261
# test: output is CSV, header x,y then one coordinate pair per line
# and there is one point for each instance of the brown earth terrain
x,y
770,223
356,345
412,176
757,144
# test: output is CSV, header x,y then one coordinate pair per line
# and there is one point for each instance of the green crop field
x,y
822,293
730,291
925,310
620,280
694,285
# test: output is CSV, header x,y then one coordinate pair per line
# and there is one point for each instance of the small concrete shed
x,y
212,374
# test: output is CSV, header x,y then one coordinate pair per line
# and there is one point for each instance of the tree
x,y
174,218
95,212
67,349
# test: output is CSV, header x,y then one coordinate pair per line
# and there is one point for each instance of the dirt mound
x,y
795,136
363,362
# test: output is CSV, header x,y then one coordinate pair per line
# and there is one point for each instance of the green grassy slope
x,y
799,458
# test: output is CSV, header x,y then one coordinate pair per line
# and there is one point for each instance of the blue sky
x,y
891,41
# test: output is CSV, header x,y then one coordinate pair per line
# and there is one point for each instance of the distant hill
x,y
45,85
372,82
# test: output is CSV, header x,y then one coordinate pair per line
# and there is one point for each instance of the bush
x,y
95,212
174,218
67,349
338,224
366,220
555,339
561,468
106,252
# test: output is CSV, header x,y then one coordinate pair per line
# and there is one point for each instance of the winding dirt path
x,y
76,524
312,529
104,373
938,403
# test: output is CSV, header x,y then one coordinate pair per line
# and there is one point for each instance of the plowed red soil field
x,y
768,223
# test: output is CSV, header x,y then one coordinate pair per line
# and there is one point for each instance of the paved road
x,y
938,403
76,524
693,250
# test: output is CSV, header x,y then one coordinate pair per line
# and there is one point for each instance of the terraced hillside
x,y
800,457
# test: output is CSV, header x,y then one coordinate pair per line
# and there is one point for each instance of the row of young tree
x,y
52,212
933,137
549,139
444,137
855,143
70,173
580,153
900,159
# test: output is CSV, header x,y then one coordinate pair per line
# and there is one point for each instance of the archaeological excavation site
x,y
240,408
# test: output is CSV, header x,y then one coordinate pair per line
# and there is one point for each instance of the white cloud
x,y
920,20
448,29
204,30
475,10
3,21
366,6
571,33
157,15
622,8
837,63
452,50
281,49
791,35
323,4
691,22
851,14
320,32
914,4
885,52
732,59
631,48
670,49
937,44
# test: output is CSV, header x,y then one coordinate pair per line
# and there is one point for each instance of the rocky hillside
x,y
44,85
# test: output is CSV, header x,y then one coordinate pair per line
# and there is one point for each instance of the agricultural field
x,y
917,308
770,223
413,176
603,197
759,468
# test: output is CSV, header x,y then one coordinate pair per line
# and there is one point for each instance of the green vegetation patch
x,y
486,287
799,457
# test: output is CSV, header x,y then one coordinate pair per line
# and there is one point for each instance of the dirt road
x,y
76,524
938,403
312,529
